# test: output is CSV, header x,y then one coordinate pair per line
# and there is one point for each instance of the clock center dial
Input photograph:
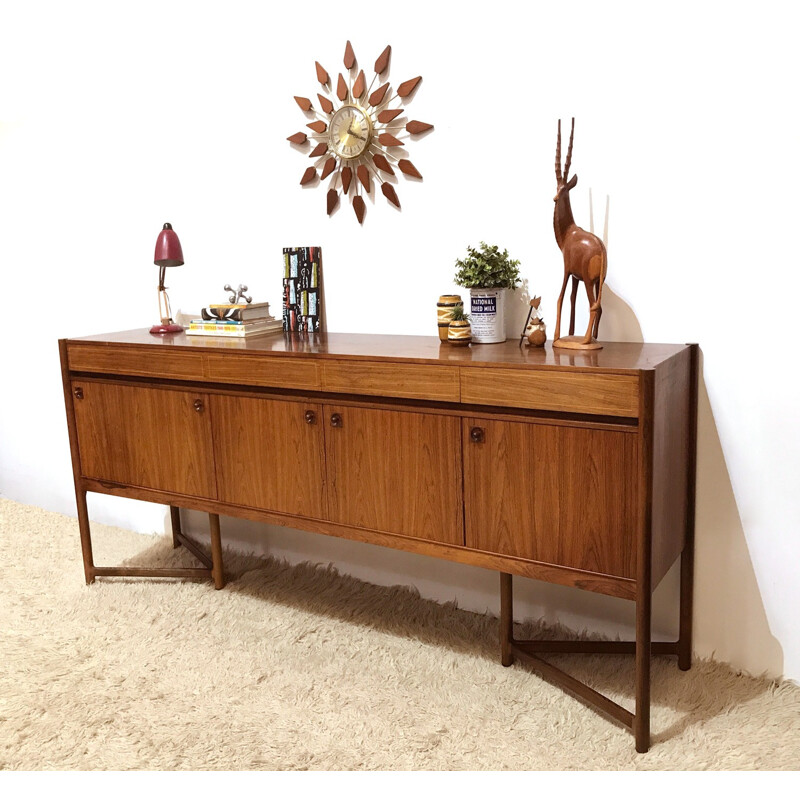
x,y
350,132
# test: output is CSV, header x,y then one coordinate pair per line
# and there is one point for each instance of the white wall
x,y
114,119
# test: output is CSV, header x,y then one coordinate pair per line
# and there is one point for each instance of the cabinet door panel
x,y
139,436
269,454
560,495
395,471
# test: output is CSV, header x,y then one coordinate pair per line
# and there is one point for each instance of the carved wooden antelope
x,y
584,254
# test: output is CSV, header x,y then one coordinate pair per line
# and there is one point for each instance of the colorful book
x,y
302,289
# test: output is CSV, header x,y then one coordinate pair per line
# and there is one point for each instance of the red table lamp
x,y
168,254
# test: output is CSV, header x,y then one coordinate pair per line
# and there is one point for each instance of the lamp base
x,y
163,327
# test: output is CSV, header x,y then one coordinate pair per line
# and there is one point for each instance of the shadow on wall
x,y
618,324
730,621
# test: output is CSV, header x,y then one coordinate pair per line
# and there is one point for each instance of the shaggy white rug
x,y
292,668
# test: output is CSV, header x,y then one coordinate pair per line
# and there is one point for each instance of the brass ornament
x,y
359,130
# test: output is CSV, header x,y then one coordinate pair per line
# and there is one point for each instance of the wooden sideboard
x,y
571,468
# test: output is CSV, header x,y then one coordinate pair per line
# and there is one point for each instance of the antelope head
x,y
564,182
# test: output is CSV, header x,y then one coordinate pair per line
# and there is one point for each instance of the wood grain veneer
x,y
264,371
611,395
270,454
392,380
398,472
551,494
155,438
121,360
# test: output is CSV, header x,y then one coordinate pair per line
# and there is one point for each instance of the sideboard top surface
x,y
615,356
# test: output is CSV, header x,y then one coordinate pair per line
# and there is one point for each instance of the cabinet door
x,y
395,471
139,436
556,494
270,454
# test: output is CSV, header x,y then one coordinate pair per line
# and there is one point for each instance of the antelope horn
x,y
569,151
558,153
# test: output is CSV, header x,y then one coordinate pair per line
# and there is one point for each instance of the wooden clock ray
x,y
358,131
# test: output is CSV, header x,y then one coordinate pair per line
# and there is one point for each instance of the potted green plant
x,y
459,331
488,273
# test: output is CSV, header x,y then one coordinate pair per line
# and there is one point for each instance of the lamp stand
x,y
166,325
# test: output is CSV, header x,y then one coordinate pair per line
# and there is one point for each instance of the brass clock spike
x,y
349,56
382,164
326,104
376,98
341,88
383,60
405,88
415,126
297,138
329,167
407,168
322,75
359,85
389,114
319,126
359,207
304,103
347,176
390,193
333,200
387,140
309,175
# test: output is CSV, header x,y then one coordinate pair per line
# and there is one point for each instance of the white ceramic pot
x,y
488,315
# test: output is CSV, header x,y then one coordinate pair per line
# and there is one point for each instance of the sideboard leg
x,y
175,518
506,619
687,555
216,552
641,721
86,535
686,605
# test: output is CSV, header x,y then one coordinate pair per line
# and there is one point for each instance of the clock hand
x,y
353,133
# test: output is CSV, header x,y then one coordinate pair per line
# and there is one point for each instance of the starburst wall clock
x,y
359,133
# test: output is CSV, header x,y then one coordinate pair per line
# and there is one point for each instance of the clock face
x,y
359,134
350,132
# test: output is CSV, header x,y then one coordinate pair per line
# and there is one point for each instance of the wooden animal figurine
x,y
584,258
534,332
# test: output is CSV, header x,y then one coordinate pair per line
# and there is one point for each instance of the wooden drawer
x,y
551,390
147,362
428,382
263,370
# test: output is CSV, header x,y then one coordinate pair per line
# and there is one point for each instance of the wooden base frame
x,y
643,648
212,569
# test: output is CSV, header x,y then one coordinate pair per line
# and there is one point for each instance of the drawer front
x,y
587,393
427,382
262,370
149,362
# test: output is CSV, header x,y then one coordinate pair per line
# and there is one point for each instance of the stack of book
x,y
235,321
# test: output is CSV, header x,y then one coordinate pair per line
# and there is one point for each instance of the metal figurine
x,y
584,258
238,294
230,310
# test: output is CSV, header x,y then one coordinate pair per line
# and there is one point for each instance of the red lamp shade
x,y
168,254
168,248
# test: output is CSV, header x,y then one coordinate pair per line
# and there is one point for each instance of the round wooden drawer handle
x,y
336,420
198,406
311,417
477,435
78,392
